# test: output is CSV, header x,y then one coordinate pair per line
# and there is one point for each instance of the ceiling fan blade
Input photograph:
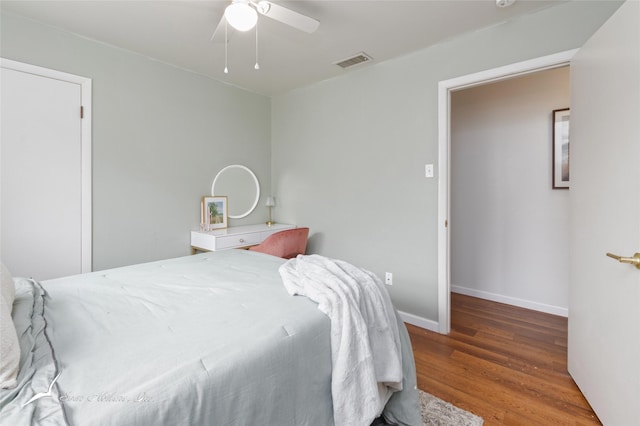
x,y
288,16
218,33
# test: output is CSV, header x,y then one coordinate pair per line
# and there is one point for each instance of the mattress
x,y
210,339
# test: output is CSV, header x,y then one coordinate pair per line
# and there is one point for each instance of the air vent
x,y
355,60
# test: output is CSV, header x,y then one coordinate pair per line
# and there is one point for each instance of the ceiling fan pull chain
x,y
226,43
256,66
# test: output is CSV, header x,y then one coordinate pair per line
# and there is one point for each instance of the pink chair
x,y
286,244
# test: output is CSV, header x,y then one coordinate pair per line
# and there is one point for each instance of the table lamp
x,y
271,202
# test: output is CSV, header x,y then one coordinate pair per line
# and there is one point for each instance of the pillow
x,y
9,346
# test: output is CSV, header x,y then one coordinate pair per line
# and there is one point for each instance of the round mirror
x,y
240,186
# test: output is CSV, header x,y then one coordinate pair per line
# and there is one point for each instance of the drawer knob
x,y
242,240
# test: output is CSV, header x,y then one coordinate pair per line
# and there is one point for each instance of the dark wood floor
x,y
503,363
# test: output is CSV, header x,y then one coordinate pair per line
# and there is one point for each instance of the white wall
x,y
160,135
348,154
509,228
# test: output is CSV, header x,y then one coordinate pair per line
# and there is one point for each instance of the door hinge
x,y
446,223
81,112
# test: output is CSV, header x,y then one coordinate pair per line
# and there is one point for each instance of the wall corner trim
x,y
514,301
421,322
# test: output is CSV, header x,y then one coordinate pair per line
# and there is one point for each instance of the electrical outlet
x,y
388,278
428,170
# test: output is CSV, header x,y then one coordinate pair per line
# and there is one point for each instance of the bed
x,y
209,339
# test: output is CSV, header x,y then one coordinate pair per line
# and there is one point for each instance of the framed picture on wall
x,y
560,164
214,212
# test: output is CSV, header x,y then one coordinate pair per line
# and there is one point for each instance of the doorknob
x,y
635,260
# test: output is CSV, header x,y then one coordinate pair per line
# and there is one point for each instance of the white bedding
x,y
210,339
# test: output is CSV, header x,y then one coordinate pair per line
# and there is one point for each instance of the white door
x,y
604,301
41,175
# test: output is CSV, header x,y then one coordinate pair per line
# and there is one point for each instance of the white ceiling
x,y
178,32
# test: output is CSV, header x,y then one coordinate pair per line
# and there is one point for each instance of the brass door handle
x,y
635,260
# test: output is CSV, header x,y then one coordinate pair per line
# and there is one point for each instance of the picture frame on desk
x,y
214,213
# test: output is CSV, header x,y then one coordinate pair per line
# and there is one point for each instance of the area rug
x,y
436,412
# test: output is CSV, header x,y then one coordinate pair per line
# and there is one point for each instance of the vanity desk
x,y
234,236
242,189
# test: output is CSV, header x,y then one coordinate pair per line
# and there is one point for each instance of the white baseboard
x,y
425,323
540,307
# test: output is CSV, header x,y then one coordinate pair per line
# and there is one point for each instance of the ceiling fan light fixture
x,y
241,16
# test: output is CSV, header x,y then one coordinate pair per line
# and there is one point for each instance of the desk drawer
x,y
232,241
233,237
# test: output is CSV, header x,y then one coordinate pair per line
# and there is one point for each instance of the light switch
x,y
428,170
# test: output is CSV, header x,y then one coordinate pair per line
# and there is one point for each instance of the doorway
x,y
444,144
509,228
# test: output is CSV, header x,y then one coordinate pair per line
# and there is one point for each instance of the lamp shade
x,y
241,16
271,201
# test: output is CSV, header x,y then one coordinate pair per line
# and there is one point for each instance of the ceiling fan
x,y
242,15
